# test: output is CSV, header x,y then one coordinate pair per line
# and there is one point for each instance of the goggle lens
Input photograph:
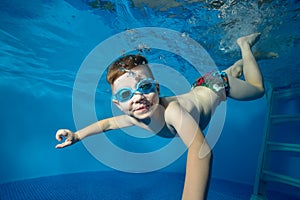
x,y
124,94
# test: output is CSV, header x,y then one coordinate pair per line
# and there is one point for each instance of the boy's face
x,y
140,106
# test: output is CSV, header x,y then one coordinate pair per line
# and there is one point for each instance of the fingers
x,y
59,136
61,133
64,144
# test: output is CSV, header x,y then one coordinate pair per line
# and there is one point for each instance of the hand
x,y
71,138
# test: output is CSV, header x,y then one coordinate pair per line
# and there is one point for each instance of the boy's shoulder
x,y
183,100
174,104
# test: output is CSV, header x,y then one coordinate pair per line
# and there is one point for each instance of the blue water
x,y
43,44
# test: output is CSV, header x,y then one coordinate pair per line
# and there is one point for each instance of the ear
x,y
117,103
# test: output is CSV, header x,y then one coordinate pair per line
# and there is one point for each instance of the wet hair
x,y
123,65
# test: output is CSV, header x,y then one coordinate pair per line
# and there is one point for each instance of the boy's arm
x,y
97,127
199,154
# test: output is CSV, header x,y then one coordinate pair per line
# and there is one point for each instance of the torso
x,y
200,102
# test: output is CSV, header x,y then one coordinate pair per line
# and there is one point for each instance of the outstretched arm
x,y
199,153
95,128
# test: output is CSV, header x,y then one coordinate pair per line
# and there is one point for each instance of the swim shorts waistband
x,y
216,81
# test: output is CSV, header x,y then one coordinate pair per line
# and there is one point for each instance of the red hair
x,y
122,65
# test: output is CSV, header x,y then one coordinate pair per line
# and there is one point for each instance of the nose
x,y
138,97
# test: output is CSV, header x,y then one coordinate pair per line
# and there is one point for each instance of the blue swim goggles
x,y
144,86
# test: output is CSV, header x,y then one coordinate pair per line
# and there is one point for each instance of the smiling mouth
x,y
142,108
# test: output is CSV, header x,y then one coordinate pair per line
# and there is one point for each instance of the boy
x,y
136,93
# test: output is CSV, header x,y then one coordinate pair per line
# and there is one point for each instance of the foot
x,y
249,39
265,55
236,70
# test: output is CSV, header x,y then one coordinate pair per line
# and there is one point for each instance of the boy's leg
x,y
236,70
253,86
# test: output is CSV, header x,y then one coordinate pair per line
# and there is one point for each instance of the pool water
x,y
47,50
